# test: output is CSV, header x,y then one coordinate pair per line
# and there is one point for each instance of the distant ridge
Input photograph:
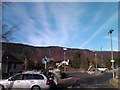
x,y
22,51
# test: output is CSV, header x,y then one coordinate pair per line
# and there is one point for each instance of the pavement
x,y
83,79
75,76
68,81
63,84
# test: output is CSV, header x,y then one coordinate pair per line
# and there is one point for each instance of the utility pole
x,y
25,62
96,62
102,57
112,61
7,64
65,49
1,54
45,60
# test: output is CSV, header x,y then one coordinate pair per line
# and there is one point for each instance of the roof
x,y
10,58
31,72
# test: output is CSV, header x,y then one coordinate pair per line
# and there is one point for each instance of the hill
x,y
55,53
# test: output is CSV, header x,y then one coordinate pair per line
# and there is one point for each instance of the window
x,y
15,66
37,76
32,76
28,76
17,77
10,65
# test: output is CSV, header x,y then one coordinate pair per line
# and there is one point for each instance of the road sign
x,y
45,59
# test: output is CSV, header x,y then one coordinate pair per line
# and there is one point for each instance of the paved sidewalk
x,y
69,80
74,77
64,83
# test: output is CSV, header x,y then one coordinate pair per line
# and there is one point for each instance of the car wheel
x,y
2,87
35,88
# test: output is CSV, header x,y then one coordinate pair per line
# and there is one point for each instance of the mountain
x,y
55,53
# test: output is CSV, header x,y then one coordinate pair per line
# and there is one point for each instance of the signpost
x,y
25,63
112,61
7,65
45,60
65,49
96,62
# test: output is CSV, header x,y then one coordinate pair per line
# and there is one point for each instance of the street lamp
x,y
95,53
65,49
112,61
25,63
102,57
45,60
0,70
96,61
7,65
0,66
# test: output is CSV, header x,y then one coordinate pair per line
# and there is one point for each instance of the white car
x,y
25,80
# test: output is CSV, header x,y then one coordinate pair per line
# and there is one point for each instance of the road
x,y
99,81
91,81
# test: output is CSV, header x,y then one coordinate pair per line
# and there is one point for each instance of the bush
x,y
76,60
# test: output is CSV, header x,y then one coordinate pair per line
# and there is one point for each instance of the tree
x,y
52,63
76,60
108,64
7,28
7,32
117,62
6,4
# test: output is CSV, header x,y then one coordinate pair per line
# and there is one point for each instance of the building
x,y
10,64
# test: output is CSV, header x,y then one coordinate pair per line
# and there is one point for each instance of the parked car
x,y
26,80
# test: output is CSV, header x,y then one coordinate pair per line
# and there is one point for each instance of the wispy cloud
x,y
61,24
62,20
101,28
114,39
98,15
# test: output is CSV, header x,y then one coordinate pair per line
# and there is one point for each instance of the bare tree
x,y
6,4
7,32
7,29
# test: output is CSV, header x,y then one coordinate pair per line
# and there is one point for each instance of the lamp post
x,y
102,57
7,65
112,61
45,60
96,61
0,66
25,62
0,70
64,49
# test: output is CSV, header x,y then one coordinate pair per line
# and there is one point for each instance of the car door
x,y
28,80
40,80
34,79
15,81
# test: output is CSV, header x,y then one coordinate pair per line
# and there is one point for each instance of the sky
x,y
82,25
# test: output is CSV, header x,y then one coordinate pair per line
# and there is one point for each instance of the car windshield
x,y
17,77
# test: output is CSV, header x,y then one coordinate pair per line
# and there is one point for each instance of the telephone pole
x,y
64,49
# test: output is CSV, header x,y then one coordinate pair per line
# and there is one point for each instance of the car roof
x,y
31,72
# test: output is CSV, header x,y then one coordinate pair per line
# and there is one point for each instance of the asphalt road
x,y
99,81
90,81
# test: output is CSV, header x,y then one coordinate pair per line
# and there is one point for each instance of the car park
x,y
26,80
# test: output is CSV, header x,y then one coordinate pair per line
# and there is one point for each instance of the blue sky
x,y
82,25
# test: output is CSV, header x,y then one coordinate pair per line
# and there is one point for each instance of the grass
x,y
115,82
